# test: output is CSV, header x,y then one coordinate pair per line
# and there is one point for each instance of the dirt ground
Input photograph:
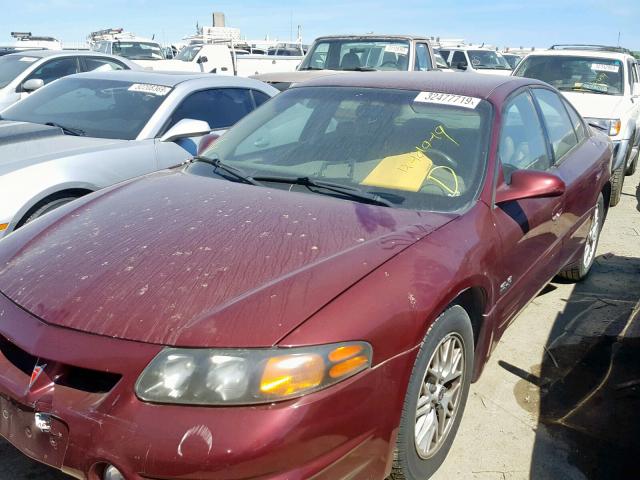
x,y
560,397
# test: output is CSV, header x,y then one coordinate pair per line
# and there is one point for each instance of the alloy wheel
x,y
439,396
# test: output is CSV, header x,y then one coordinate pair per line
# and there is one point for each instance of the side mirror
x,y
206,142
202,59
461,66
530,184
32,85
185,128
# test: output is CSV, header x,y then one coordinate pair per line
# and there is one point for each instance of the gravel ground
x,y
556,400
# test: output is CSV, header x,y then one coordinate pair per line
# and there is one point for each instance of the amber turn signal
x,y
289,374
3,226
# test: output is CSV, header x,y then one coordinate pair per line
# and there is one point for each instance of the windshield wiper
x,y
67,130
583,89
346,190
230,169
312,68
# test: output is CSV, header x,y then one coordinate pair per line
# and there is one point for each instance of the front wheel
x,y
580,269
436,397
617,181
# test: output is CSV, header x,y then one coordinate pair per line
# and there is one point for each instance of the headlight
x,y
251,376
611,126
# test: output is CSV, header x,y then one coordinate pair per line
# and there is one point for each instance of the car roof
x,y
57,53
582,53
468,84
371,36
172,79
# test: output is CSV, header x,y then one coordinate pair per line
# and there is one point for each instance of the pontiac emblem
x,y
37,371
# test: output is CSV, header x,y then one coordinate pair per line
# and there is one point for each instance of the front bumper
x,y
347,431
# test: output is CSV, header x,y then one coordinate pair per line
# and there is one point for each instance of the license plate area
x,y
42,438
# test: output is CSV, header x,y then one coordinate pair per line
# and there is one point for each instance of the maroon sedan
x,y
311,297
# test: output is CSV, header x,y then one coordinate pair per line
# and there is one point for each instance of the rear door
x,y
575,162
527,228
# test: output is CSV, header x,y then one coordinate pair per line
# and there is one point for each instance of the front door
x,y
527,228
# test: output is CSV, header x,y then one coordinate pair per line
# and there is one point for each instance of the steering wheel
x,y
389,63
450,162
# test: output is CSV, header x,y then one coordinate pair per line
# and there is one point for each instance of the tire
x,y
45,208
418,459
579,269
617,181
634,164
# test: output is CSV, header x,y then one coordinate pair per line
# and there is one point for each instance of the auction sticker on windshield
x,y
397,49
601,67
160,90
447,99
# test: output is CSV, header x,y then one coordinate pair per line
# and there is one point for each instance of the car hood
x,y
595,105
488,71
173,66
24,144
295,77
178,259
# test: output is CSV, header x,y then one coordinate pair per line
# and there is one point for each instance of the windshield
x,y
579,73
138,50
97,108
415,150
487,59
187,54
13,65
349,54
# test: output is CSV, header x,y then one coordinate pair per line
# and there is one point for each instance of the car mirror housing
x,y
530,184
202,59
461,66
32,85
185,128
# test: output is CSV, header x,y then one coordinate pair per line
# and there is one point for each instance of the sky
x,y
500,22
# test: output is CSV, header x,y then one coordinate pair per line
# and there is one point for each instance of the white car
x,y
468,58
24,72
89,131
602,84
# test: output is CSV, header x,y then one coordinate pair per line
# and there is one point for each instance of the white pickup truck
x,y
603,83
361,53
220,59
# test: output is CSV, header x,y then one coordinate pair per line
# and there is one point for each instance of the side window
x,y
260,97
458,60
319,56
220,108
576,120
95,64
522,142
55,69
559,126
423,59
445,55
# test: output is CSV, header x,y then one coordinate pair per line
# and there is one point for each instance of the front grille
x,y
83,379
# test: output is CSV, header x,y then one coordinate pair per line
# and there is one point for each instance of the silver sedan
x,y
88,131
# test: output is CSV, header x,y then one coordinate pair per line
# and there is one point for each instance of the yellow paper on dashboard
x,y
406,171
